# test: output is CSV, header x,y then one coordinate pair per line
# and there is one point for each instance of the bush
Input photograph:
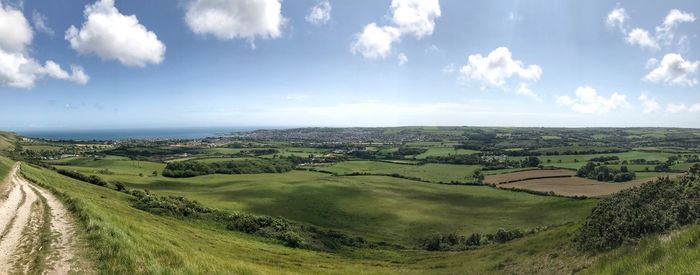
x,y
629,215
604,173
82,177
185,169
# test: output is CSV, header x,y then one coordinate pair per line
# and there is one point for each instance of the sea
x,y
123,134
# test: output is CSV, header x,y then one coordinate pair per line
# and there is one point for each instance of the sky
x,y
212,63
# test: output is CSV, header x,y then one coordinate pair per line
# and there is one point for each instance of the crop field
x,y
527,175
574,186
433,172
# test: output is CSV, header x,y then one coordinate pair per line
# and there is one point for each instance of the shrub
x,y
629,215
82,177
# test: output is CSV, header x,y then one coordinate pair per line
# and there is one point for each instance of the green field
x,y
576,161
444,151
433,172
377,207
115,164
125,240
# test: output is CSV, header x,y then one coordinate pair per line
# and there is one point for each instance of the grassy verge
x,y
677,252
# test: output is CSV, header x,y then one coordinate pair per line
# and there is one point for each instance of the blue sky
x,y
349,63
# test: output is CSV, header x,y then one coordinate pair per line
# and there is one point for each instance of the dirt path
x,y
30,218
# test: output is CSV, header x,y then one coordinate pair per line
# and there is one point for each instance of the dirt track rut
x,y
31,217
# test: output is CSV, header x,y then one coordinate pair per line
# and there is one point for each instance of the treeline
x,y
399,154
82,177
190,168
489,162
287,232
653,208
456,242
604,173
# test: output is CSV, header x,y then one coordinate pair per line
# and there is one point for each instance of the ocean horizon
x,y
145,133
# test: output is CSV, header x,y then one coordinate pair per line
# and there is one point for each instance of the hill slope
x,y
127,240
7,141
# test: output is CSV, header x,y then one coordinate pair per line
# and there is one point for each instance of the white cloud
x,y
682,108
674,70
587,101
232,19
40,23
449,69
497,67
416,17
20,71
320,13
17,68
649,105
617,18
524,89
651,63
115,36
664,35
672,19
15,32
402,59
642,38
375,42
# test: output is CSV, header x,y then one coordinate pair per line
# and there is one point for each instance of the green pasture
x,y
433,172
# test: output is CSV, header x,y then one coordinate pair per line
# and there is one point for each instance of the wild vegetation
x,y
190,168
384,200
654,207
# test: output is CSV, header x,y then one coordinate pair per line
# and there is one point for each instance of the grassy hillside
x,y
5,166
127,240
675,253
7,141
377,207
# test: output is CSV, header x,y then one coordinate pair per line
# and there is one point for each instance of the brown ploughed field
x,y
529,175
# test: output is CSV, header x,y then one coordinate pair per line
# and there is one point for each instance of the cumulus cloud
x,y
524,89
17,68
587,101
319,14
403,59
15,32
414,17
674,70
40,24
672,19
664,34
617,18
642,38
682,108
233,19
375,42
112,35
497,67
649,105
